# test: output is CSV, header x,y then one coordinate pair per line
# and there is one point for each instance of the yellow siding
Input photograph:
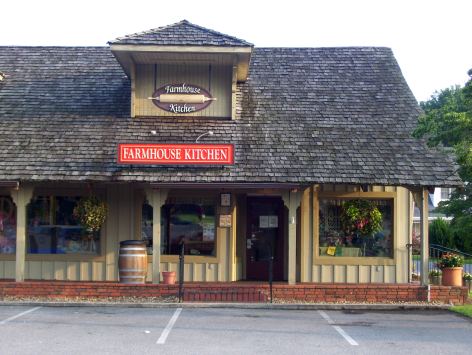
x,y
218,82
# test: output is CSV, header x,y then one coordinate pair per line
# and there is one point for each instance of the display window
x,y
356,228
7,225
188,221
53,228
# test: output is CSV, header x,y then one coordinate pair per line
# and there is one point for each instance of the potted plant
x,y
168,277
467,278
361,217
451,267
91,214
435,277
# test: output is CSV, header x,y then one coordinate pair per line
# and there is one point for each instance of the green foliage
x,y
361,216
440,233
467,276
91,213
447,123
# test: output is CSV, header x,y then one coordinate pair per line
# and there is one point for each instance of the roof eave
x,y
123,52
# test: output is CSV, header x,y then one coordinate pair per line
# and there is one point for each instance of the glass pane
x,y
146,226
334,241
7,225
194,224
53,228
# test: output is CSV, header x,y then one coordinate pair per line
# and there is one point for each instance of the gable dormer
x,y
183,70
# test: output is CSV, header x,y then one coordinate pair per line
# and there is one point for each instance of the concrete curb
x,y
278,306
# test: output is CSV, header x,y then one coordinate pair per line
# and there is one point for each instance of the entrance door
x,y
265,237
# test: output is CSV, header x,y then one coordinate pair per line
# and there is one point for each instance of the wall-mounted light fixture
x,y
209,133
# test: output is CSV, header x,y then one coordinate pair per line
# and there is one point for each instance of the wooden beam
x,y
179,49
233,92
424,217
21,197
292,201
157,199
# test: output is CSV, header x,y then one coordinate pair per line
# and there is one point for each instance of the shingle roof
x,y
325,115
182,33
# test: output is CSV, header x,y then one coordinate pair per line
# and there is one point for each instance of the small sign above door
x,y
181,98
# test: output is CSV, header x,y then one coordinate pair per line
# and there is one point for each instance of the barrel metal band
x,y
134,255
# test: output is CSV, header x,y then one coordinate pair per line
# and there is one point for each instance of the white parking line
x,y
346,336
19,315
168,328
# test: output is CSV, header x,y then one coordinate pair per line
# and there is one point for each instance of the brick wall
x,y
237,292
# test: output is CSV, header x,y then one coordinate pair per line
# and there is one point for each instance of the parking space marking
x,y
19,315
346,336
168,328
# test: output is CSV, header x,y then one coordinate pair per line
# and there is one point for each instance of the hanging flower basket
x,y
361,217
91,213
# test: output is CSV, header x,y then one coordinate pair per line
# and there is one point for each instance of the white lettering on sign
x,y
176,153
175,108
182,89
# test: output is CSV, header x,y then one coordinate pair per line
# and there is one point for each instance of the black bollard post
x,y
181,272
271,275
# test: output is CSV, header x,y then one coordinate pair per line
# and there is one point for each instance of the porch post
x,y
421,199
156,198
424,217
21,197
292,201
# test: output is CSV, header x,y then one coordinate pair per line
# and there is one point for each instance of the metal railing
x,y
435,253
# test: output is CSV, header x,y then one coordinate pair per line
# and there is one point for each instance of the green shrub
x,y
440,233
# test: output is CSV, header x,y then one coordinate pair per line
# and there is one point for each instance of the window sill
x,y
347,260
198,259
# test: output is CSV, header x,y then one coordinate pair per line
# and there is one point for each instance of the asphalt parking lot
x,y
116,330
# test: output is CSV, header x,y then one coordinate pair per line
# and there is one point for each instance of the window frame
x,y
180,195
73,257
349,260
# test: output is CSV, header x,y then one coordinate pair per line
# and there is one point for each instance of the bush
x,y
440,233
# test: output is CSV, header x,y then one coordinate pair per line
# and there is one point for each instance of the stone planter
x,y
452,276
468,284
435,280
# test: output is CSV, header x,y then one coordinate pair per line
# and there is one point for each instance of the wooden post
x,y
421,198
232,241
306,235
21,197
424,213
292,201
156,198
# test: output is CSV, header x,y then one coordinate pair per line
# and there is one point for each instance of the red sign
x,y
177,154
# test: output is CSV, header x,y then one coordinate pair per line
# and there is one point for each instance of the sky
x,y
431,39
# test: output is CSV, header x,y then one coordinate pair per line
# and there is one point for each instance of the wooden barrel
x,y
132,262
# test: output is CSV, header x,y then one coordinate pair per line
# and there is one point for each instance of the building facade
x,y
243,154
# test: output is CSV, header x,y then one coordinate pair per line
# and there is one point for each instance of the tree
x,y
440,233
447,123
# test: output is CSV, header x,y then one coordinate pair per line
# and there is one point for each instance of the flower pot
x,y
168,277
435,280
468,284
452,276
